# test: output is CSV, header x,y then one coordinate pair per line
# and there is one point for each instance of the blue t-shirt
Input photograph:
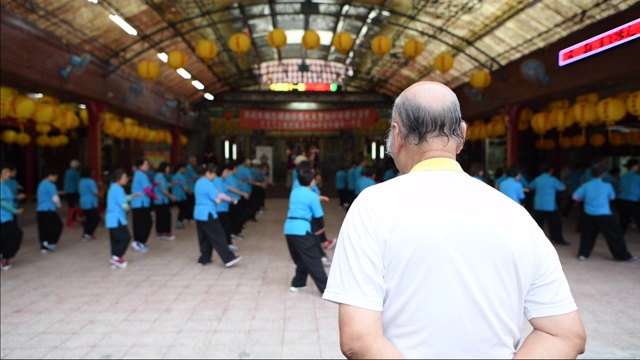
x,y
178,182
596,195
352,179
115,215
629,187
546,187
244,176
71,181
222,187
161,184
341,180
13,185
206,194
500,179
192,175
46,191
139,183
513,189
232,181
87,189
8,196
364,183
303,206
388,175
587,175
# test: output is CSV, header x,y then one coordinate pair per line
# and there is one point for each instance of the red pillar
x,y
175,145
513,135
94,143
31,173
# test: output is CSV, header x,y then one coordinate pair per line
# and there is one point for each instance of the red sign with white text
x,y
598,43
307,120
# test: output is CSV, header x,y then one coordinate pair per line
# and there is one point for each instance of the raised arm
x,y
361,335
554,337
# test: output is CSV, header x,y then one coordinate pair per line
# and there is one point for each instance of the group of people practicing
x,y
220,199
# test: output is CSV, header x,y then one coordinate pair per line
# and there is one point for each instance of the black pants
x,y
344,196
183,210
191,203
49,226
10,240
612,234
251,208
211,236
555,223
225,222
141,224
163,219
260,196
120,239
304,253
72,199
236,212
352,196
628,210
91,220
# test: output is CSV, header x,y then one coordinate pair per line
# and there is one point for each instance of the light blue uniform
x,y
388,175
303,206
7,197
341,180
71,181
352,179
586,176
596,195
161,184
222,187
177,186
88,198
191,174
244,176
513,189
140,182
206,195
629,187
13,185
232,181
46,191
364,183
546,187
115,214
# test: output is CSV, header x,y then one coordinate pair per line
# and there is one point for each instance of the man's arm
x,y
554,337
361,334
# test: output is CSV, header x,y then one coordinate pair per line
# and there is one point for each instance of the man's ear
x,y
463,131
395,133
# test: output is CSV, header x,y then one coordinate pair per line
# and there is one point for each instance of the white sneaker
x,y
138,246
582,258
233,262
49,247
166,236
326,261
296,288
233,248
118,262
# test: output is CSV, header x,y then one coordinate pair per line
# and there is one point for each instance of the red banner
x,y
307,120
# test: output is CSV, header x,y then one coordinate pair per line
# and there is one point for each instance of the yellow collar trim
x,y
437,164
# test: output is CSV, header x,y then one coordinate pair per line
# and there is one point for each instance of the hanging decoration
x,y
584,113
559,119
177,59
498,125
597,140
44,113
591,98
148,70
381,45
412,48
480,80
239,43
22,138
540,123
7,95
183,140
533,69
23,107
524,118
206,49
310,40
42,128
277,38
84,116
443,62
565,142
9,136
633,103
579,140
343,42
611,110
617,138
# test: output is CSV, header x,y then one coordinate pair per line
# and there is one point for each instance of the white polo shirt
x,y
450,262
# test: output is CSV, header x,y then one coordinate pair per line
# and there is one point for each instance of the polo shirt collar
x,y
437,164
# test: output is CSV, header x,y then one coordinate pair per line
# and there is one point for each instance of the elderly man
x,y
436,264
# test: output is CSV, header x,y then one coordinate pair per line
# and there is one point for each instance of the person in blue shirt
x,y
179,189
228,197
352,180
49,223
477,171
587,174
596,195
210,233
544,202
629,195
500,176
11,234
573,182
366,179
116,217
141,206
14,185
304,207
191,174
70,183
511,186
162,203
88,191
245,185
390,173
341,187
236,212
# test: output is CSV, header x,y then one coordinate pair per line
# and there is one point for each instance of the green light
x,y
334,87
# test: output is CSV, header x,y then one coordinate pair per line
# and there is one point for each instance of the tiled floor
x,y
71,304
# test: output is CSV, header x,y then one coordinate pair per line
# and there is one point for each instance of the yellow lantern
x,y
558,104
7,92
381,45
412,48
480,80
48,99
9,136
579,140
498,124
42,140
84,116
591,98
343,42
44,113
611,110
130,121
22,139
206,49
239,43
23,107
42,128
565,142
443,62
6,100
177,59
597,140
183,140
559,119
277,38
617,138
540,123
148,70
54,142
584,113
310,40
633,103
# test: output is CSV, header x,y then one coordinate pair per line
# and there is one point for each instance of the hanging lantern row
x,y
479,130
129,128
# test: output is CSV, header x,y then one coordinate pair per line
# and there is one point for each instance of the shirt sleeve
x,y
610,192
579,194
316,207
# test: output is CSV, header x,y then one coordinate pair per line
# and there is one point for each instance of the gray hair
x,y
417,120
